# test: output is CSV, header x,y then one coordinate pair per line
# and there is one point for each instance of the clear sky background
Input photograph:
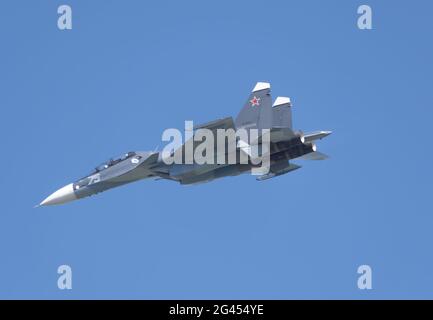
x,y
130,69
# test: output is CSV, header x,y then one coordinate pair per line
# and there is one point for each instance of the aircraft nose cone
x,y
62,195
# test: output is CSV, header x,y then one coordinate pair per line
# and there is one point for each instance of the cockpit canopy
x,y
113,161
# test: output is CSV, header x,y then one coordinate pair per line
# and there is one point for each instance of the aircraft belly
x,y
192,169
222,171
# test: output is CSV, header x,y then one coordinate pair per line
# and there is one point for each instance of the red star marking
x,y
255,101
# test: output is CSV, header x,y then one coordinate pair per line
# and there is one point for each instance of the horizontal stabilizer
x,y
314,156
278,170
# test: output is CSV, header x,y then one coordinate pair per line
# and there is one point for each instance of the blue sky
x,y
130,69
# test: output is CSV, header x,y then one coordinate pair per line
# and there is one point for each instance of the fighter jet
x,y
258,113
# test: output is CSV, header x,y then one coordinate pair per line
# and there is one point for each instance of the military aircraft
x,y
258,113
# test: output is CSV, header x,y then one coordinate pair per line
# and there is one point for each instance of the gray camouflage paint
x,y
257,113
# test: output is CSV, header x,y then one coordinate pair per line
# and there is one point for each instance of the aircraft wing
x,y
153,158
226,123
